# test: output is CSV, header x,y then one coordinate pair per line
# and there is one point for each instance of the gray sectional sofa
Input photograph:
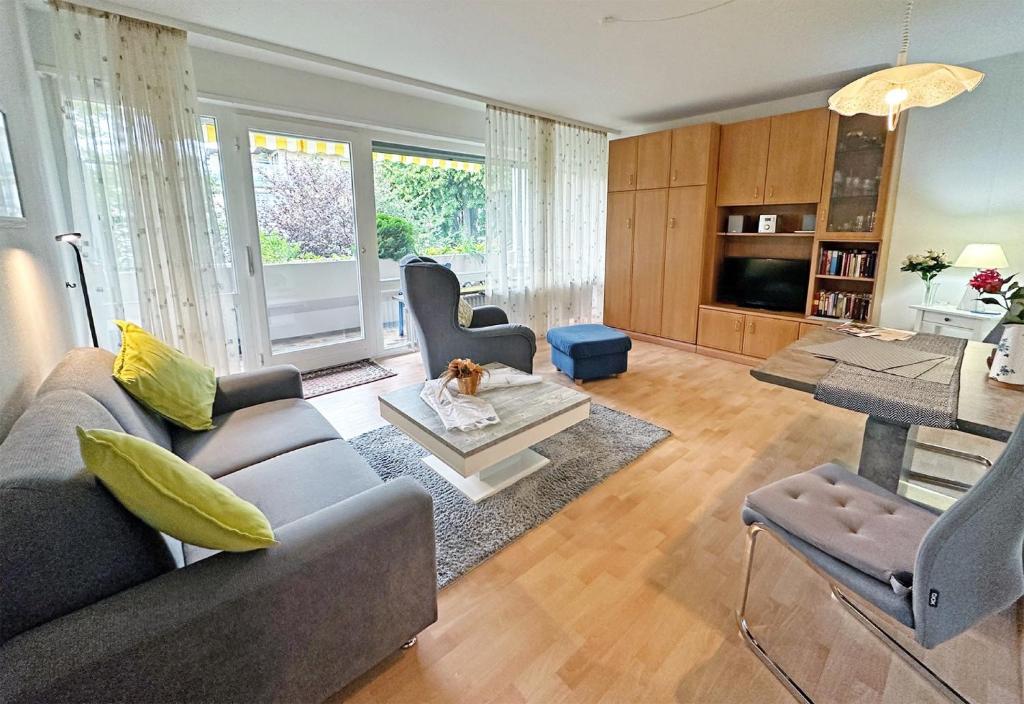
x,y
96,606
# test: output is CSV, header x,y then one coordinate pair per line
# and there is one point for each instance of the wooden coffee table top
x,y
519,409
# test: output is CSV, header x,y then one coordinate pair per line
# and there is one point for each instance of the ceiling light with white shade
x,y
891,91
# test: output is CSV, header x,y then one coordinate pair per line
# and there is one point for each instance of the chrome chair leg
x,y
948,452
753,531
741,619
409,643
909,658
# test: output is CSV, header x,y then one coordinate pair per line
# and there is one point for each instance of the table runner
x,y
929,399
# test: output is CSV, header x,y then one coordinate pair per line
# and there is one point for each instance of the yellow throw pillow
x,y
164,380
171,495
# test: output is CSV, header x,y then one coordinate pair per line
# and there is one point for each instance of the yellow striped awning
x,y
280,142
471,166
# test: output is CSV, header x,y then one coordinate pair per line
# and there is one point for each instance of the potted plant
x,y
467,372
928,266
1007,363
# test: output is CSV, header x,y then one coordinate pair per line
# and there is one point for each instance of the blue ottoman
x,y
587,352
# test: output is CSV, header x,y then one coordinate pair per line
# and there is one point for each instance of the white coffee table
x,y
480,463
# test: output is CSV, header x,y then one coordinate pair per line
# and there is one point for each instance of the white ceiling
x,y
556,56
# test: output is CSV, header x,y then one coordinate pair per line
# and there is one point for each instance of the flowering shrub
x,y
1006,293
928,265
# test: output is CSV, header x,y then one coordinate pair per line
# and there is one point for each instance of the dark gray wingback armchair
x,y
432,295
938,575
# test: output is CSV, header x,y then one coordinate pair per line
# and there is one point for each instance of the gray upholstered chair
x,y
938,575
432,294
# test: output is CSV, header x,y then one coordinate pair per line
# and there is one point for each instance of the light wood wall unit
x,y
655,257
622,163
619,259
648,260
796,157
687,216
672,192
654,156
694,148
743,162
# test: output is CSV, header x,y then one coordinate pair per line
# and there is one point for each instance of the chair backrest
x,y
971,562
431,293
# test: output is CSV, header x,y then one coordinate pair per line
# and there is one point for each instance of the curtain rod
x,y
275,48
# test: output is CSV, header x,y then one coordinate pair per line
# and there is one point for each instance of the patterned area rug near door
x,y
467,533
343,376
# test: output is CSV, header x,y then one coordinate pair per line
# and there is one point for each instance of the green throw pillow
x,y
164,380
171,495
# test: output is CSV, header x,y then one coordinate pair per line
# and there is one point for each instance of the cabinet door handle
x,y
945,320
771,191
756,191
629,223
629,179
750,327
675,174
671,223
738,326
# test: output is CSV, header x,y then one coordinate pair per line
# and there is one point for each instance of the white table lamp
x,y
979,256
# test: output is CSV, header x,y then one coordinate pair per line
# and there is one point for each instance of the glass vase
x,y
930,289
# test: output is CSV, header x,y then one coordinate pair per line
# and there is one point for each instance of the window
x,y
439,194
10,201
429,202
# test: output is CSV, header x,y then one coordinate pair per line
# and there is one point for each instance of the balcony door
x,y
309,241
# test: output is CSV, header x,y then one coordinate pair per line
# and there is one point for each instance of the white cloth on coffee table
x,y
457,411
498,380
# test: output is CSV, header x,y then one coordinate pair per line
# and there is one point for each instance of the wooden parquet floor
x,y
627,595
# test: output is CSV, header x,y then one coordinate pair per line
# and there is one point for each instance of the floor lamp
x,y
71,238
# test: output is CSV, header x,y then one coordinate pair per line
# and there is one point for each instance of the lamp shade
x,y
982,256
892,90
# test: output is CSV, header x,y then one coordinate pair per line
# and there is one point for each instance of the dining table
x,y
985,408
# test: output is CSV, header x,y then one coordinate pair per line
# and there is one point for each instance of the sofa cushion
x,y
848,517
91,371
287,487
65,542
250,435
589,340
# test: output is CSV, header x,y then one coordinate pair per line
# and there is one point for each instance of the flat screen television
x,y
775,284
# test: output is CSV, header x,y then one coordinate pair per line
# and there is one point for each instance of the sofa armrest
x,y
345,587
484,316
245,389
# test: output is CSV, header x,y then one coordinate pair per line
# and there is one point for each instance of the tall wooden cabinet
x,y
619,259
656,232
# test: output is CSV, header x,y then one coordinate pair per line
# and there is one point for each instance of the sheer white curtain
x,y
546,188
138,183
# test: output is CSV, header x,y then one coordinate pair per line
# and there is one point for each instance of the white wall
x,y
35,326
962,181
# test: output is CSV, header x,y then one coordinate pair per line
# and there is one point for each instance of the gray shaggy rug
x,y
468,533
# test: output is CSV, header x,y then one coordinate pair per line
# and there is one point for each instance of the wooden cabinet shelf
x,y
765,234
844,278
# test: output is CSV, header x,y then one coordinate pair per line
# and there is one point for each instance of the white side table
x,y
950,320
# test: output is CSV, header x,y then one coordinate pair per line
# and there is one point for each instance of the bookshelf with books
x,y
850,241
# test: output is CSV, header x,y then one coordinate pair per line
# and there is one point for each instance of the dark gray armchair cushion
x,y
848,517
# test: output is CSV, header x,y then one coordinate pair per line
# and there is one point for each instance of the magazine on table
x,y
872,331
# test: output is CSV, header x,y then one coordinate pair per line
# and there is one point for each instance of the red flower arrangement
x,y
987,281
